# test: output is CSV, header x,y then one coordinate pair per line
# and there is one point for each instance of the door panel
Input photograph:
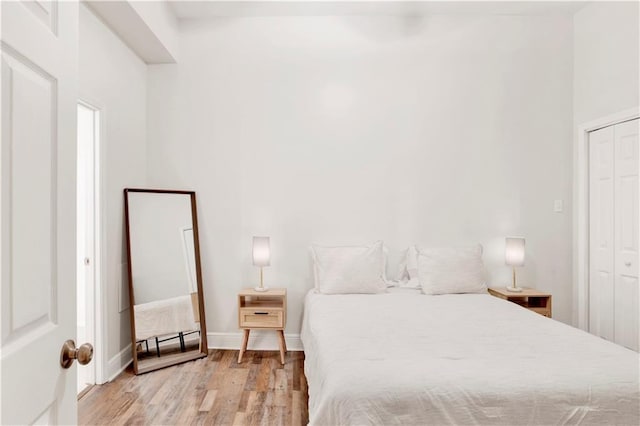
x,y
626,312
38,55
601,231
32,283
626,224
46,12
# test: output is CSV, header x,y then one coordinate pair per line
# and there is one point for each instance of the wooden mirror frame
x,y
188,356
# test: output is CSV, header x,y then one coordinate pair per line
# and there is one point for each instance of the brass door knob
x,y
69,352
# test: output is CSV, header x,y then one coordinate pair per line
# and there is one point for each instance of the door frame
x,y
581,210
100,300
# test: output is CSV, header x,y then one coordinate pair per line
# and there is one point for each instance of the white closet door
x,y
626,234
601,233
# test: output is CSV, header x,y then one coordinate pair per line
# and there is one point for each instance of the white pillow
x,y
452,270
407,275
394,260
349,269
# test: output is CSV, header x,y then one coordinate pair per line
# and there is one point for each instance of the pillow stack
x,y
361,269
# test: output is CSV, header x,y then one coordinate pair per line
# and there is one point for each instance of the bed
x,y
403,357
164,317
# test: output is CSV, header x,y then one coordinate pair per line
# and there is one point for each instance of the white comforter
x,y
407,358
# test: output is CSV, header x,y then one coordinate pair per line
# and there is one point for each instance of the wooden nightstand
x,y
265,310
529,298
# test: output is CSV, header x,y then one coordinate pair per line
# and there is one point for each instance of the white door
x,y
601,233
626,230
38,179
614,233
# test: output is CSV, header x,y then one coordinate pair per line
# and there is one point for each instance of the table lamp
x,y
261,256
514,256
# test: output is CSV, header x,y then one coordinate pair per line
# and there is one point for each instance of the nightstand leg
x,y
243,349
283,345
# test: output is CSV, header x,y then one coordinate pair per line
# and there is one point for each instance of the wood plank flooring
x,y
213,390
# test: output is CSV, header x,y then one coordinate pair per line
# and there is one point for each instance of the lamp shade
x,y
514,251
261,251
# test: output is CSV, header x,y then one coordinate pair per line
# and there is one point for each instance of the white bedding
x,y
162,317
407,358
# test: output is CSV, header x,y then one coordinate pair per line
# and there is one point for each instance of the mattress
x,y
162,317
408,358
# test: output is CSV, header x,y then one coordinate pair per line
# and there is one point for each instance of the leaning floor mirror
x,y
165,279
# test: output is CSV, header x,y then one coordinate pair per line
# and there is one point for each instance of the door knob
x,y
69,352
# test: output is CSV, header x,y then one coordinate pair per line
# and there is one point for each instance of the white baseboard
x,y
118,363
261,340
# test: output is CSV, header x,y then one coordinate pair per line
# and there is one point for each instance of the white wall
x,y
114,79
346,130
606,59
606,73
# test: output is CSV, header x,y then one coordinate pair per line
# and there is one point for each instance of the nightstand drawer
x,y
257,317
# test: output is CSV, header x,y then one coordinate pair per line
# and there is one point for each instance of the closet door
x,y
626,234
601,233
614,233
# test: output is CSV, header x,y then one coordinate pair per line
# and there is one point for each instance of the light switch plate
x,y
558,206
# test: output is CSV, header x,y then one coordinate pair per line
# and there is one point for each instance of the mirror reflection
x,y
165,288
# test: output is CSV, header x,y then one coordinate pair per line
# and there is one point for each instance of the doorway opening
x,y
87,237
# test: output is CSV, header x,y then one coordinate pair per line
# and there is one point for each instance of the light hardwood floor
x,y
212,390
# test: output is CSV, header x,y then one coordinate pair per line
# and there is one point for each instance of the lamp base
x,y
514,289
261,288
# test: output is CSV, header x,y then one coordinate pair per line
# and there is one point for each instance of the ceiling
x,y
187,9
